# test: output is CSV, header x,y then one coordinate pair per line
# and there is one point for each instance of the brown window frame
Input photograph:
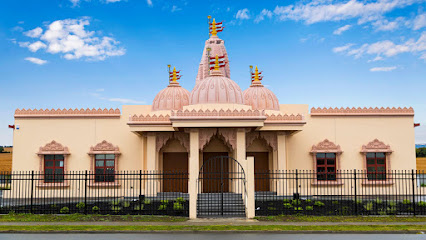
x,y
56,158
104,176
376,175
326,175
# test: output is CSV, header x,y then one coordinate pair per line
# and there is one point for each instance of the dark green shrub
x,y
422,204
286,200
298,208
319,204
162,207
80,206
287,205
406,201
126,204
147,201
116,209
296,202
309,208
378,201
115,202
95,209
180,200
64,210
137,207
308,201
335,202
177,206
368,206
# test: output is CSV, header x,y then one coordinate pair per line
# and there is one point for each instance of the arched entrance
x,y
221,188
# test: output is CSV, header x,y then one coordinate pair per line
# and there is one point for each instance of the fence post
x,y
85,192
140,191
414,193
355,194
32,191
297,185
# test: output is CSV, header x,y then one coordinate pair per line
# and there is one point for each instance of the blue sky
x,y
106,53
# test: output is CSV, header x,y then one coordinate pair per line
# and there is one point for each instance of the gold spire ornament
x,y
216,62
174,78
214,32
174,75
256,74
214,27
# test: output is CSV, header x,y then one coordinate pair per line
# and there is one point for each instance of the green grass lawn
x,y
287,218
231,228
87,218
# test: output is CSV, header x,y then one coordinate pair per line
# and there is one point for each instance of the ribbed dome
x,y
216,89
260,98
173,97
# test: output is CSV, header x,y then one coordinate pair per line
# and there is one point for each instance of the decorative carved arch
x,y
53,148
229,136
376,146
326,146
269,137
163,137
104,147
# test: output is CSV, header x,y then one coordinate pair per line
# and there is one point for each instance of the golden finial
x,y
174,79
216,63
214,32
256,74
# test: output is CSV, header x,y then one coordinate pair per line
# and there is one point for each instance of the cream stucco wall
x,y
79,134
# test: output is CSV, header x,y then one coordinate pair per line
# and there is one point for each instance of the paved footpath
x,y
206,222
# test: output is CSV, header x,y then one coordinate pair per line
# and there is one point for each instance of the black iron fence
x,y
351,192
124,192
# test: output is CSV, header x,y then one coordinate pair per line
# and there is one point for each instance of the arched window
x,y
326,156
376,161
53,164
104,163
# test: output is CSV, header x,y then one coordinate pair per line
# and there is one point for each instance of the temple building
x,y
189,131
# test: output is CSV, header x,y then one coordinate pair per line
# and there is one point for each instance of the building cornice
x,y
67,113
363,111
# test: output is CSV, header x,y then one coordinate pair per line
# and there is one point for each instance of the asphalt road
x,y
211,236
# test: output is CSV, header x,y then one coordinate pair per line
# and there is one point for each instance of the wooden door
x,y
175,166
212,178
261,170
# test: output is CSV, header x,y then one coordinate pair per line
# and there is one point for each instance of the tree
x,y
421,152
1,149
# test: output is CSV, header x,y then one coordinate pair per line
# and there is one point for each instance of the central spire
x,y
213,46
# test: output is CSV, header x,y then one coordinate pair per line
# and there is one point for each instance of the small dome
x,y
216,89
258,96
173,97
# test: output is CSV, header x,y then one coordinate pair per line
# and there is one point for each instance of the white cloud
x,y
386,25
340,30
34,47
342,48
327,10
388,48
264,13
100,90
70,39
243,14
377,58
35,33
76,2
382,69
125,100
17,29
175,8
37,61
419,22
149,2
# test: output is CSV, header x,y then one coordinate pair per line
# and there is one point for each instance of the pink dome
x,y
216,89
260,98
173,97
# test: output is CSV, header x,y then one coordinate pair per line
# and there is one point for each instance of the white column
x,y
193,172
240,156
282,161
151,164
250,202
